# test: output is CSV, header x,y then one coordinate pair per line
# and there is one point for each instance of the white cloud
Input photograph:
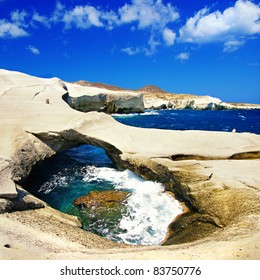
x,y
11,30
18,17
183,56
169,36
232,27
148,13
152,46
233,23
148,50
145,13
153,15
132,51
139,14
110,19
41,19
58,13
81,17
232,45
33,50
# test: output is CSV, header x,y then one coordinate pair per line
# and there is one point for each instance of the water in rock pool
x,y
141,219
144,216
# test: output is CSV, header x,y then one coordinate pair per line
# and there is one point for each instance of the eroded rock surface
x,y
156,98
214,173
92,98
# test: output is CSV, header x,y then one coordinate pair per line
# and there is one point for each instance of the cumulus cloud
x,y
169,36
241,20
232,45
15,27
153,15
144,13
148,13
132,51
33,50
44,20
232,27
183,56
148,50
19,17
82,17
110,19
58,13
11,30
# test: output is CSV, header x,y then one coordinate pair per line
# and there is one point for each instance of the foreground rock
x,y
214,173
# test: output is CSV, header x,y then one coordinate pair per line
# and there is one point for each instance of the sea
x,y
143,218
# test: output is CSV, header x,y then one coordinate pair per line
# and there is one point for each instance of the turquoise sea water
x,y
144,217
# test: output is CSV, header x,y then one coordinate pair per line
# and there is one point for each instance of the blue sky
x,y
183,46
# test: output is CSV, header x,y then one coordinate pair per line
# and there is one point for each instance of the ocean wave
x,y
57,180
149,212
149,209
242,117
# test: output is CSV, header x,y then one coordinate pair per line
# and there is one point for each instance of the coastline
x,y
32,129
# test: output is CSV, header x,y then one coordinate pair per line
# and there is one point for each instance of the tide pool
x,y
143,217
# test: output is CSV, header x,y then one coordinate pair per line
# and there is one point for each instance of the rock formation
x,y
86,98
156,98
214,173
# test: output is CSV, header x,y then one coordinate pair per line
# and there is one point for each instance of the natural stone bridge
x,y
213,173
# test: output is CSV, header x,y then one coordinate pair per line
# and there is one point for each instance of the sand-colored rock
x,y
214,173
86,96
92,98
156,98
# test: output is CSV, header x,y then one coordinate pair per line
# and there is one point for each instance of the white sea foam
x,y
242,117
57,180
149,209
147,113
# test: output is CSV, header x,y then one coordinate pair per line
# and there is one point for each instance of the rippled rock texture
x,y
214,173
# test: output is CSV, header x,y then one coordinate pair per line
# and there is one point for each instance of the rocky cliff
x,y
215,174
156,98
86,97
